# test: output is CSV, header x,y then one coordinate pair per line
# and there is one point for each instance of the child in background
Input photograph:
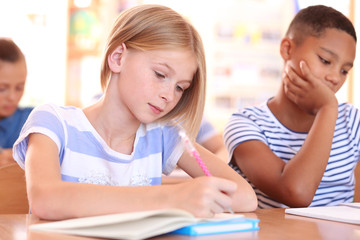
x,y
300,148
104,158
13,74
209,138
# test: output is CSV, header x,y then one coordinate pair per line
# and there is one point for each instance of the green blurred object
x,y
84,28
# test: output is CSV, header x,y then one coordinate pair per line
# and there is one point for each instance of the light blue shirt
x,y
85,157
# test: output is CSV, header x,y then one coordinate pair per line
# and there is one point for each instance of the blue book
x,y
220,227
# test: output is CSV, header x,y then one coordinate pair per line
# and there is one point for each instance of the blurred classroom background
x,y
63,43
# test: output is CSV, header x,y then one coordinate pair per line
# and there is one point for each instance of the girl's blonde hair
x,y
153,27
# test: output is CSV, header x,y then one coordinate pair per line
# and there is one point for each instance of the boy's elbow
x,y
299,203
299,197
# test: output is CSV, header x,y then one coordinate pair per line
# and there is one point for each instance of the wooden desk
x,y
274,224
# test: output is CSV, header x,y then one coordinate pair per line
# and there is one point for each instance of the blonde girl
x,y
109,157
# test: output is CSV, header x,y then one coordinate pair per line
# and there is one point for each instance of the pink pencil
x,y
192,150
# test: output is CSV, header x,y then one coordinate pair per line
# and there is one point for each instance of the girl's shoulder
x,y
55,107
57,110
50,114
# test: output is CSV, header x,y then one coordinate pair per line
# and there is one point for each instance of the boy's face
x,y
12,83
329,57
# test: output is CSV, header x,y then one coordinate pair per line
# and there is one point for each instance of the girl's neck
x,y
114,128
289,114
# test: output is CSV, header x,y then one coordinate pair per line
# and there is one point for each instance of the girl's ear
x,y
286,48
115,58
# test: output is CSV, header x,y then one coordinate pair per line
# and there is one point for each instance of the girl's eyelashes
x,y
159,75
179,88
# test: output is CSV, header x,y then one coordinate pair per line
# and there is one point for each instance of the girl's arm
x,y
243,197
54,199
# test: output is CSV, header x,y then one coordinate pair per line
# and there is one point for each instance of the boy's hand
x,y
308,92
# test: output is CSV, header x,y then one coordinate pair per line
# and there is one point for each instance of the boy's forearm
x,y
307,167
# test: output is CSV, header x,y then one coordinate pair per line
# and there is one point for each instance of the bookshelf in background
x,y
89,22
84,43
244,63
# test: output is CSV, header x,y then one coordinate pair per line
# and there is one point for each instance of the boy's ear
x,y
115,58
286,47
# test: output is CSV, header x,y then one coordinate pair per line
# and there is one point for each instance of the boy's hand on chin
x,y
308,92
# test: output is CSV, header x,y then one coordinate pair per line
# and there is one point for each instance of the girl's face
x,y
151,83
329,57
12,83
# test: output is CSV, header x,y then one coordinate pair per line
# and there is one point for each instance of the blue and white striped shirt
x,y
337,184
85,157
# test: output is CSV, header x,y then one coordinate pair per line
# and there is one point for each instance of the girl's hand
x,y
203,196
309,92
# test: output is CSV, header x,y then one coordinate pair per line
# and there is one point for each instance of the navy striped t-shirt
x,y
338,182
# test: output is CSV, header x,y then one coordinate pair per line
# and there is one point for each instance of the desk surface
x,y
274,224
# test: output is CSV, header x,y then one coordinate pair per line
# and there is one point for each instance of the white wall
x,y
39,28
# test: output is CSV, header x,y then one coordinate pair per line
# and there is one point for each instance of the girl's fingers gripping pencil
x,y
192,150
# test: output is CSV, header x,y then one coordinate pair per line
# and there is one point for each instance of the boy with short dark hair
x,y
301,147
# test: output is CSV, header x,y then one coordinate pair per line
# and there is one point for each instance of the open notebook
x,y
346,212
145,224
